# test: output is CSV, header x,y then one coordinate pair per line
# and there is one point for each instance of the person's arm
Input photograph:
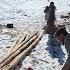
x,y
45,11
67,64
66,67
67,46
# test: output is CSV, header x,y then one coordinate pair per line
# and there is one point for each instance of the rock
x,y
64,16
9,25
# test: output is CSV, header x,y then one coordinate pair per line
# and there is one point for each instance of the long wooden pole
x,y
8,60
12,46
14,43
16,60
24,42
23,37
16,48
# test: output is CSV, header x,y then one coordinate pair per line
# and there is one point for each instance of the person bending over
x,y
64,38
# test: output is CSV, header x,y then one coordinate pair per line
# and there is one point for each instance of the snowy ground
x,y
39,59
28,16
29,11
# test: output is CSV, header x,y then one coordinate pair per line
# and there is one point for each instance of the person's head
x,y
52,3
47,8
60,35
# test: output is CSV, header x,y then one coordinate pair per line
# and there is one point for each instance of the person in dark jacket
x,y
51,18
52,11
64,38
46,11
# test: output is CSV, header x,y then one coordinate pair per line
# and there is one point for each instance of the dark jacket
x,y
67,46
52,12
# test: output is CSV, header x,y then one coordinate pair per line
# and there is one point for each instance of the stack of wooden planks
x,y
19,49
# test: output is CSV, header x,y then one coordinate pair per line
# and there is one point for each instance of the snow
x,y
6,38
28,16
28,10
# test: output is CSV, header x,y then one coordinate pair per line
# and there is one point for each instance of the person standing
x,y
51,19
46,11
64,38
54,46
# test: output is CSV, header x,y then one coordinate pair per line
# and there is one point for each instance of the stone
x,y
9,25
